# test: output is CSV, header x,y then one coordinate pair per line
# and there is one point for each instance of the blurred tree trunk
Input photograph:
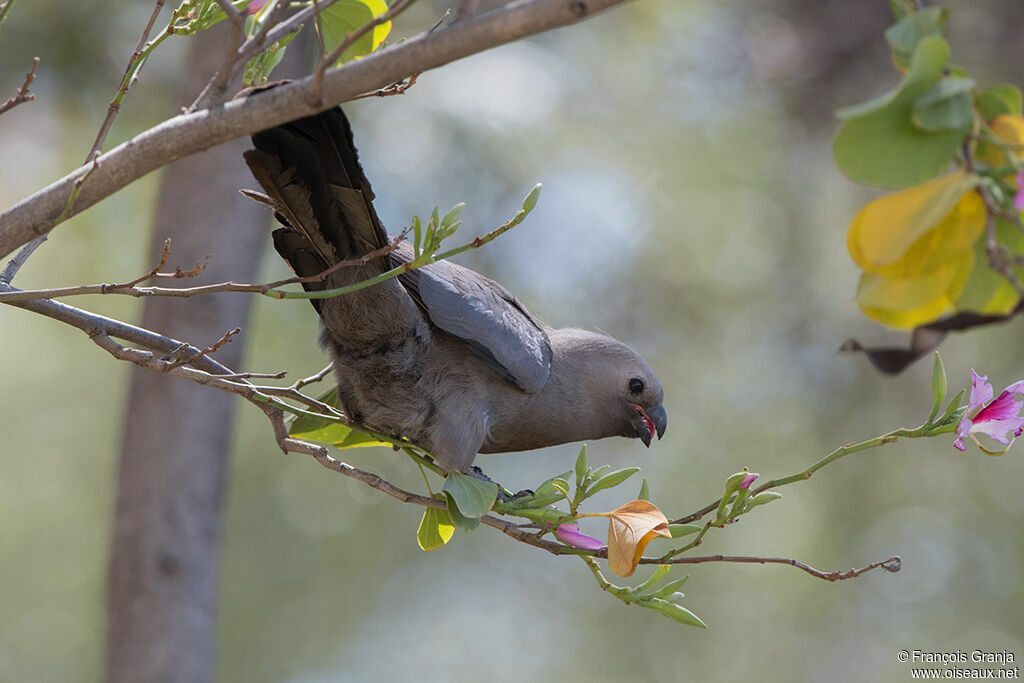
x,y
165,557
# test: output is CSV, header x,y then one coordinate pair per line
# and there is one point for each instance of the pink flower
x,y
995,419
570,534
255,6
748,480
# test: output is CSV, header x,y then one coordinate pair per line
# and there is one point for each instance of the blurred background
x,y
690,208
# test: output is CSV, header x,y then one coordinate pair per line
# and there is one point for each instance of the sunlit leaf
x,y
324,430
630,528
1010,129
987,292
878,144
474,497
907,303
346,16
913,232
436,529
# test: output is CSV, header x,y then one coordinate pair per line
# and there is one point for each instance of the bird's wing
x,y
489,318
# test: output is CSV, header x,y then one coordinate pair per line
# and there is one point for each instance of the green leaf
x,y
939,386
325,430
953,405
670,587
435,529
474,497
467,524
549,485
762,498
612,479
594,475
346,16
645,492
654,578
948,105
680,530
453,214
308,423
674,611
905,35
531,198
878,144
998,100
581,466
417,236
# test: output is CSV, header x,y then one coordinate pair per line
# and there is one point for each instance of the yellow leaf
x,y
630,528
916,231
909,302
1010,129
987,292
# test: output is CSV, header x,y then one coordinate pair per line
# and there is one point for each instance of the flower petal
x,y
1002,408
1015,388
998,429
748,480
981,392
570,534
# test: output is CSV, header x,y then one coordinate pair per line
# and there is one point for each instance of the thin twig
x,y
274,28
185,359
22,94
101,331
397,88
188,134
312,379
891,565
19,259
126,82
4,8
270,289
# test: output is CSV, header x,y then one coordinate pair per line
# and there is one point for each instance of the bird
x,y
441,355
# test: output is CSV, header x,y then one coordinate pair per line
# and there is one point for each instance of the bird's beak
x,y
649,422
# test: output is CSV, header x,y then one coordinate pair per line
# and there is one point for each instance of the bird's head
x,y
621,391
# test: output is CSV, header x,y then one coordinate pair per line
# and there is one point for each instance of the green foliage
x,y
879,142
904,36
345,17
436,529
999,100
473,497
923,250
330,429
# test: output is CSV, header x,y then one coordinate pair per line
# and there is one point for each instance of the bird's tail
x,y
310,170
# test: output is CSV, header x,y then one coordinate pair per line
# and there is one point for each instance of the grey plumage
x,y
440,355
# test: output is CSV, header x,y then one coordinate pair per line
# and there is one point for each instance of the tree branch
x,y
189,133
126,82
23,94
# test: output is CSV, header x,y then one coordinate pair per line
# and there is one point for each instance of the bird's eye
x,y
636,386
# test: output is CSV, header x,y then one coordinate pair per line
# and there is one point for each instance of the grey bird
x,y
440,355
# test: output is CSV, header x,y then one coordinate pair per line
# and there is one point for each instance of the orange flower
x,y
630,528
